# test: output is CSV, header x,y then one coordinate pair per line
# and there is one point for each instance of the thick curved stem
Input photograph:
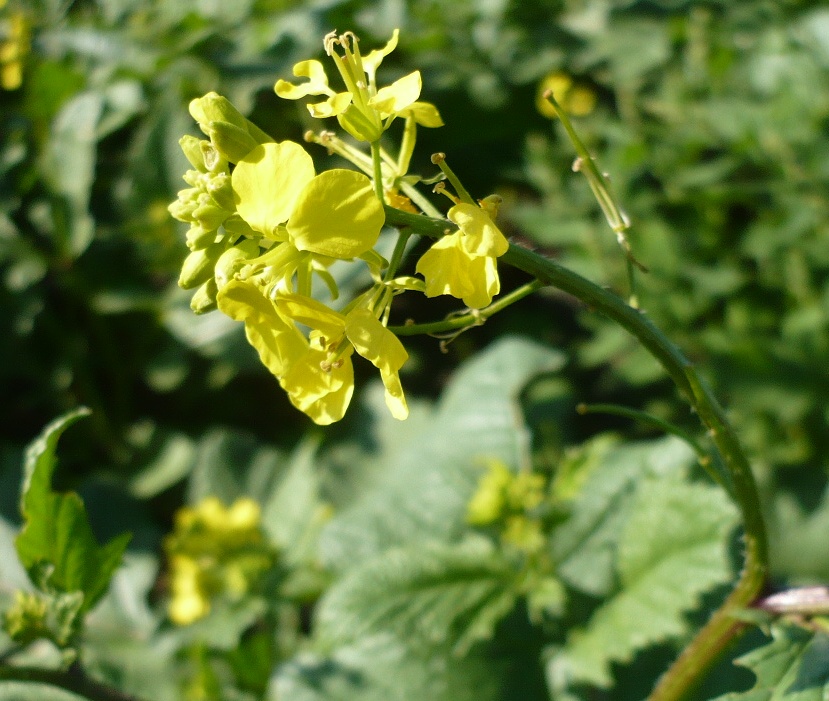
x,y
712,640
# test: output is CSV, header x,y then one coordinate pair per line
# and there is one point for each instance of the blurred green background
x,y
712,119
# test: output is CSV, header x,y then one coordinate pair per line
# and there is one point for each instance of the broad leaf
x,y
429,593
793,667
57,539
383,668
672,549
423,492
598,483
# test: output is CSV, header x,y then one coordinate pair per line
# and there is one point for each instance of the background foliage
x,y
711,118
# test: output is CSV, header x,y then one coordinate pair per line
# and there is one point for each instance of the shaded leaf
x,y
56,538
672,549
793,667
435,594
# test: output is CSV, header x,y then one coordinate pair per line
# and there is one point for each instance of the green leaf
x,y
597,483
422,490
672,549
793,667
383,668
430,593
56,539
32,691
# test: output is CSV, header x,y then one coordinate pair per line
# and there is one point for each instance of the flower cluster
x,y
214,551
509,500
264,226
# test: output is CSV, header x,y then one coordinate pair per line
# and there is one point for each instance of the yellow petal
x,y
398,96
278,343
323,396
445,268
313,314
481,236
374,341
484,272
338,214
374,58
424,113
334,105
268,181
395,399
317,83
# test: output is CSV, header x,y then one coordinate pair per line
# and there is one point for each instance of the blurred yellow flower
x,y
214,550
15,45
575,99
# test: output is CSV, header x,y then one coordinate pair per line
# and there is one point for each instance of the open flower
x,y
341,334
321,391
363,110
214,551
464,264
335,213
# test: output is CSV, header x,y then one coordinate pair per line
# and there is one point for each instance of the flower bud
x,y
198,266
208,214
198,237
204,299
232,260
192,148
231,141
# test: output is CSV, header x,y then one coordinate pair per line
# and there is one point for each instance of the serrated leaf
x,y
423,493
56,535
793,667
672,549
434,594
384,668
598,483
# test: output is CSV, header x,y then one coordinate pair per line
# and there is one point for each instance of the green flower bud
x,y
192,148
213,160
198,237
236,227
221,190
183,208
204,299
232,260
198,266
208,214
231,141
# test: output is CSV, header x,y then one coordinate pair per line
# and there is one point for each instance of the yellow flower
x,y
463,264
363,110
213,551
13,50
340,334
335,214
321,393
574,99
489,500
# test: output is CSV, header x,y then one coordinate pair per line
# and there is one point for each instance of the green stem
x,y
377,160
462,321
397,255
73,680
722,628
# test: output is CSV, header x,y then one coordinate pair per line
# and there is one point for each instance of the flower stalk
x,y
723,627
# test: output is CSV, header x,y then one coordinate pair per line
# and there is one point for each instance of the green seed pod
x,y
198,266
204,299
230,140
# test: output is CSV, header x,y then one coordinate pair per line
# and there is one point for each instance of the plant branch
x,y
722,628
73,680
